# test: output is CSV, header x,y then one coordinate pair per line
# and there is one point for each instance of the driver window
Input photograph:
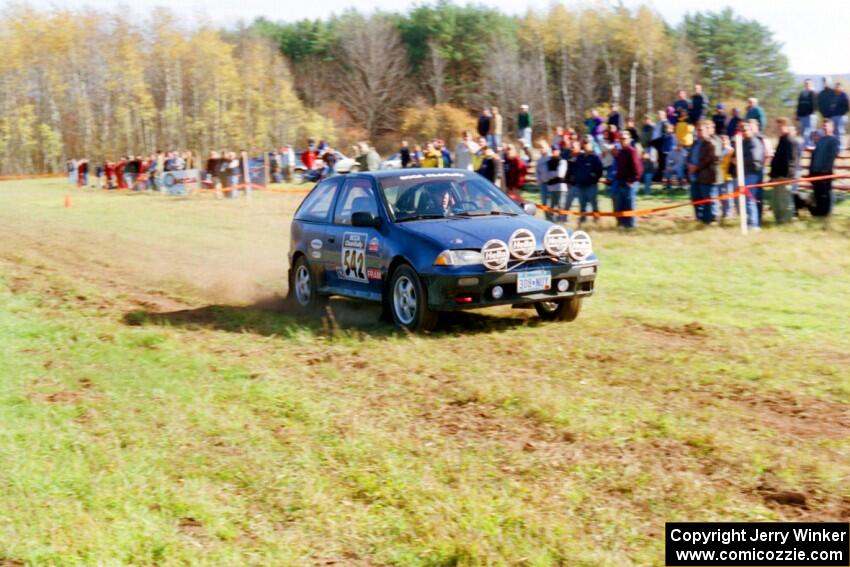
x,y
436,198
357,197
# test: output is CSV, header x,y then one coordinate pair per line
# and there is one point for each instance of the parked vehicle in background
x,y
344,164
392,162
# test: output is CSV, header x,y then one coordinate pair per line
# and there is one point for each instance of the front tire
x,y
559,310
408,303
303,289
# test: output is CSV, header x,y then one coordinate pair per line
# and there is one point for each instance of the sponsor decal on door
x,y
353,257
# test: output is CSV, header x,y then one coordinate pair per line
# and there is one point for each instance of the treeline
x,y
562,62
87,84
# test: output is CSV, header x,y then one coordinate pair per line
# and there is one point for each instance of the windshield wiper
x,y
484,213
420,217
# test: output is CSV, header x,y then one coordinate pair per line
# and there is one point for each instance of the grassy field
x,y
159,406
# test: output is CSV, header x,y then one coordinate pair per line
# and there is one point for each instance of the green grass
x,y
152,413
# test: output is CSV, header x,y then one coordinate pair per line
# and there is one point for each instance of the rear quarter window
x,y
317,205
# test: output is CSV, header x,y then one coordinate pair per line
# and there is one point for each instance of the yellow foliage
x,y
87,84
423,123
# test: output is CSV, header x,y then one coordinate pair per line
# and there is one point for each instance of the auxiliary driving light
x,y
563,285
497,292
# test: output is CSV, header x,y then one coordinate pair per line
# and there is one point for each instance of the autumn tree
x,y
101,85
372,70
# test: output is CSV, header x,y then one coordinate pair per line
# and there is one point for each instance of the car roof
x,y
388,173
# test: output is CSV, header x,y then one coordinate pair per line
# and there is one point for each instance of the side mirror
x,y
529,208
365,219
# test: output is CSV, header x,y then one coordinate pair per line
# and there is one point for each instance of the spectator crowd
x,y
689,145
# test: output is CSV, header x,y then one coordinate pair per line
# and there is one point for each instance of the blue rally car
x,y
422,241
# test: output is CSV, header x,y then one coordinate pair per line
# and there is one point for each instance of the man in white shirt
x,y
464,151
287,162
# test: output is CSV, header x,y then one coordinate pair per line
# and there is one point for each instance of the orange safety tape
x,y
791,181
255,187
640,212
35,176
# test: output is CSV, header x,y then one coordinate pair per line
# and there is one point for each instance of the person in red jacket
x,y
144,173
109,173
515,170
625,186
82,172
119,172
308,158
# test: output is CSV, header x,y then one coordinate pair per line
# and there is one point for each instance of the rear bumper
x,y
455,291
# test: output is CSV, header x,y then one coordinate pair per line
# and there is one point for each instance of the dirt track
x,y
137,269
149,262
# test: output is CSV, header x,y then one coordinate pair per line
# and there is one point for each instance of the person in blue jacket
x,y
839,116
732,125
586,172
755,112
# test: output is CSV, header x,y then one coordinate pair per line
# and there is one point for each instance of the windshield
x,y
444,195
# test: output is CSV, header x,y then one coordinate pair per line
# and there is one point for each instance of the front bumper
x,y
446,292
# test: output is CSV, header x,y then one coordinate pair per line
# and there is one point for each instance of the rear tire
x,y
559,310
408,303
303,291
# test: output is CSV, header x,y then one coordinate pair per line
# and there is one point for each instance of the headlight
x,y
458,258
557,241
522,243
580,245
495,255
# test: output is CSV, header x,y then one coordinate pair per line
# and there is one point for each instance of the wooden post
x,y
742,198
196,165
266,168
246,175
160,166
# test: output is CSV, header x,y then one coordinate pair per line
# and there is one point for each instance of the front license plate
x,y
535,280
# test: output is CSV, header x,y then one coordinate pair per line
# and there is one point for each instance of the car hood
x,y
472,233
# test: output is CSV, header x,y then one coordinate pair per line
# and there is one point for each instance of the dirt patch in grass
x,y
664,333
476,422
63,397
806,502
347,560
127,276
190,525
557,450
772,495
794,415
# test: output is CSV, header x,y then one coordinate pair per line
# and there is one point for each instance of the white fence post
x,y
742,198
